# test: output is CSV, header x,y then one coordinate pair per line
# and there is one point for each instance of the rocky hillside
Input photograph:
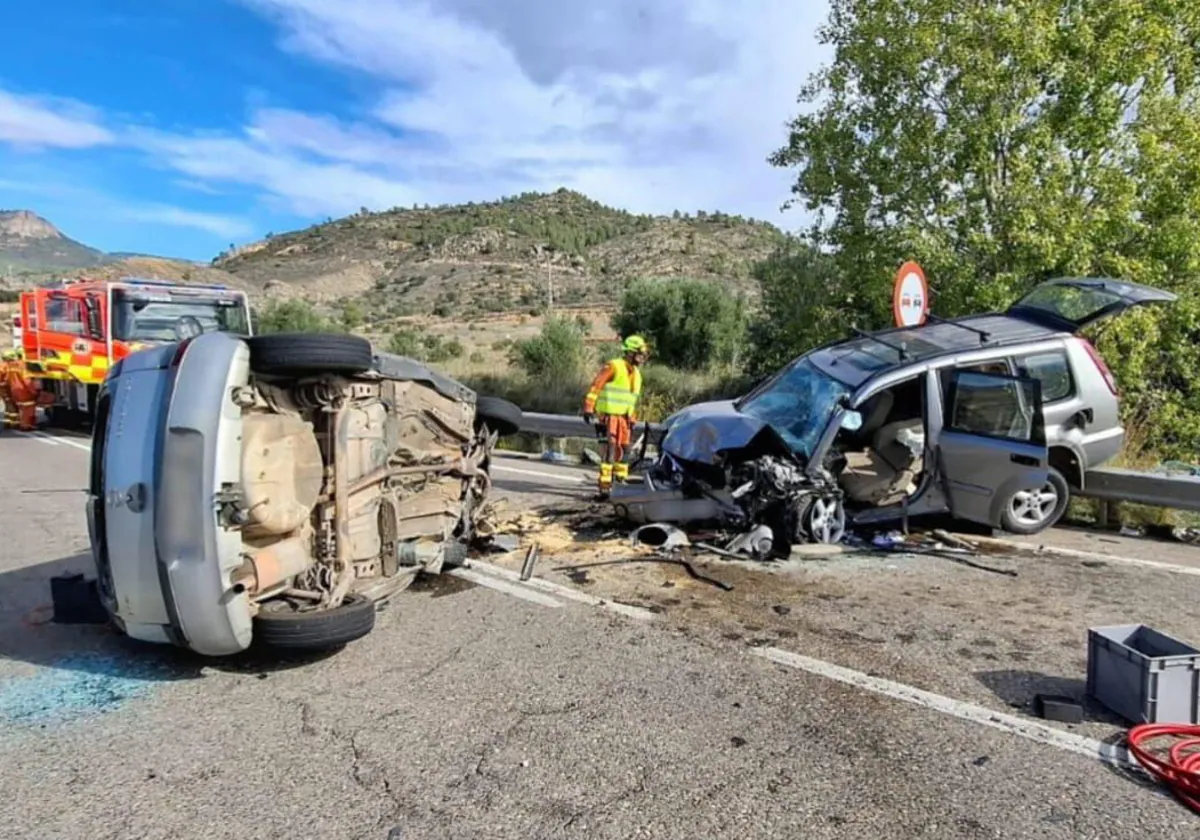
x,y
30,243
468,260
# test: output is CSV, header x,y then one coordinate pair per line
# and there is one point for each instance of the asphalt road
x,y
471,713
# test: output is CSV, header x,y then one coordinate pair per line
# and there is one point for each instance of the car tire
x,y
1026,517
318,630
292,354
498,415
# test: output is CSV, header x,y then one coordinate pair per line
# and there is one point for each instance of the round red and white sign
x,y
910,296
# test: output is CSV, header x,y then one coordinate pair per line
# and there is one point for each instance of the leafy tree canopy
x,y
1000,143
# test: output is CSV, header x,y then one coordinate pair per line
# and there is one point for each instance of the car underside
x,y
352,484
273,489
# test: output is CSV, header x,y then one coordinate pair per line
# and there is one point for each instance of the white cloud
x,y
650,105
39,122
645,105
228,227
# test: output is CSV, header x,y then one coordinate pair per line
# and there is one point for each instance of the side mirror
x,y
852,421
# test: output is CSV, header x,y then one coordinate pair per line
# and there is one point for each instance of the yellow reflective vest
x,y
619,395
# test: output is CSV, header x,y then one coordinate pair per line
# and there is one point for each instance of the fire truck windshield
x,y
162,316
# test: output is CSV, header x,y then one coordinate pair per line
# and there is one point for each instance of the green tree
x,y
691,324
351,315
1002,143
804,303
291,316
557,354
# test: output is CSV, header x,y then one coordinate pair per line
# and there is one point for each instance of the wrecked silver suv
x,y
993,418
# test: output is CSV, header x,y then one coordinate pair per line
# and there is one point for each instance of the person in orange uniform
x,y
21,392
611,404
11,418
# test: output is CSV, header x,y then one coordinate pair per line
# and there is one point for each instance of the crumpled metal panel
x,y
700,432
404,369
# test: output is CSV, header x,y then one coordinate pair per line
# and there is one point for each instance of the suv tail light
x,y
1098,360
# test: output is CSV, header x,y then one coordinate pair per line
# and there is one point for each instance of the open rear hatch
x,y
1072,303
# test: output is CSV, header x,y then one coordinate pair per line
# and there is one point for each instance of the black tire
x,y
1026,527
297,354
498,415
322,630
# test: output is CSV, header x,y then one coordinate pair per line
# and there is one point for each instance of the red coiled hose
x,y
1179,769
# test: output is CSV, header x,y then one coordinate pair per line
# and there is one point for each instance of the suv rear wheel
x,y
1032,511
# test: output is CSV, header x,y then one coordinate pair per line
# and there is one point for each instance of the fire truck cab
x,y
73,332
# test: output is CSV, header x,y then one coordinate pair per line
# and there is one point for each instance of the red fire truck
x,y
73,331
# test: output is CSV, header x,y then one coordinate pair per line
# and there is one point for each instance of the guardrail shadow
x,y
73,668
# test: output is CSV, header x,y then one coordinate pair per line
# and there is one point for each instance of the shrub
x,y
691,324
292,316
556,354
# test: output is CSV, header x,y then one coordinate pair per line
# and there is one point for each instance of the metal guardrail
x,y
1106,484
1110,484
568,426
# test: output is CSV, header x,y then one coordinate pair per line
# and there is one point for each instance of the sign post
x,y
910,296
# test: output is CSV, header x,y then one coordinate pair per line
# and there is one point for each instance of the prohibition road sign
x,y
910,296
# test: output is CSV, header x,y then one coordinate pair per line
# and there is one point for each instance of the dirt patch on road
x,y
975,634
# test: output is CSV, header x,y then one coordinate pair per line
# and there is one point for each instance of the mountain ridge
x,y
466,261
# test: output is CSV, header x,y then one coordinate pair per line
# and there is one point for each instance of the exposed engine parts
x,y
351,485
762,506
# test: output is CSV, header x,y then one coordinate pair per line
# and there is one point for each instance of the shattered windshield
x,y
161,316
797,404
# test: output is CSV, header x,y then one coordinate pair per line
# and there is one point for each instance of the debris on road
x,y
531,557
1056,708
660,536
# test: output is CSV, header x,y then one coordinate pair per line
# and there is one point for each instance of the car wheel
x,y
499,415
292,354
1032,511
317,629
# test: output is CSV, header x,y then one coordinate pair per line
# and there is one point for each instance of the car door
x,y
992,443
1072,303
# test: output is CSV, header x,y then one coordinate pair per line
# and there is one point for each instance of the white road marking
x,y
564,479
1032,730
563,591
517,591
55,440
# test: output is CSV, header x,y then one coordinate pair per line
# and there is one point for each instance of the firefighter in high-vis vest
x,y
19,394
11,418
611,404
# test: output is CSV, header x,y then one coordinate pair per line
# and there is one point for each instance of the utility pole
x,y
550,284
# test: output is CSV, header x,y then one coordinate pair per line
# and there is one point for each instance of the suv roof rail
x,y
900,351
984,335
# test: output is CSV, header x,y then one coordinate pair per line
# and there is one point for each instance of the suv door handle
x,y
1025,460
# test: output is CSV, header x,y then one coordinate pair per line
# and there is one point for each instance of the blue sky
x,y
179,127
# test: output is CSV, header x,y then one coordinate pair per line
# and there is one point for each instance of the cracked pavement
x,y
469,714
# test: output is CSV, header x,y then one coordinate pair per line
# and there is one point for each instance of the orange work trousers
x,y
24,394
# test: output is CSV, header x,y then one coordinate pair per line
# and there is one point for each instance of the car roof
x,y
855,360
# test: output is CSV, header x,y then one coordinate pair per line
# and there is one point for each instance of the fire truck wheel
x,y
292,354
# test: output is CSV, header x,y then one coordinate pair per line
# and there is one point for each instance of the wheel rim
x,y
1033,507
826,521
